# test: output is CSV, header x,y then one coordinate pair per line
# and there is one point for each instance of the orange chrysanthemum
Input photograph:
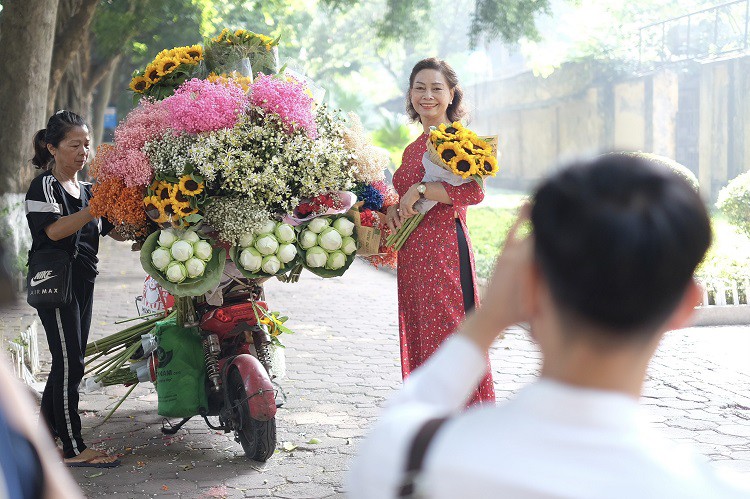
x,y
117,203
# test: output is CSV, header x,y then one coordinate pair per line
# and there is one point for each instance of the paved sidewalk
x,y
341,365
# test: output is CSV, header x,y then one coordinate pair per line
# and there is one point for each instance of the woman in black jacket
x,y
56,210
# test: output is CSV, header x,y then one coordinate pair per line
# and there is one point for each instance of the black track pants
x,y
67,332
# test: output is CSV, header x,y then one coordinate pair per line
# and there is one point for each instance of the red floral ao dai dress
x,y
430,301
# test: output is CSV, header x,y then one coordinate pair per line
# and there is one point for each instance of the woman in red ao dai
x,y
436,277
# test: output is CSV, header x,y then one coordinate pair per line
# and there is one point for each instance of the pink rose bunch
x,y
129,165
146,122
288,99
202,106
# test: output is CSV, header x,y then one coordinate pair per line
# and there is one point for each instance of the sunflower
x,y
463,164
448,151
166,66
165,190
221,36
189,186
139,84
195,52
151,74
151,203
480,146
178,198
488,165
184,211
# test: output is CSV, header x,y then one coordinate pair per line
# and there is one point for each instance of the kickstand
x,y
172,429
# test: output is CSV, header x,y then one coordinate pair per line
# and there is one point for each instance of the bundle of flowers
x,y
230,49
168,70
327,245
367,162
183,262
270,251
455,155
461,151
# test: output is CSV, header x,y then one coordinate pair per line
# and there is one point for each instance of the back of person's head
x,y
58,126
618,239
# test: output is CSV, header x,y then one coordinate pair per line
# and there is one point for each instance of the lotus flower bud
x,y
251,260
176,272
316,257
284,233
308,239
329,239
166,238
336,260
318,224
190,236
268,227
348,245
246,240
195,267
181,250
266,244
270,264
161,257
203,250
344,226
286,253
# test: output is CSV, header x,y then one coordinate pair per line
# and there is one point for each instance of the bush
x,y
734,202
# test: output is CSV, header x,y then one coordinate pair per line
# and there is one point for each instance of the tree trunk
x,y
72,30
27,34
101,97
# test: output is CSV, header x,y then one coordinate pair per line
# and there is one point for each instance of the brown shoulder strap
x,y
417,452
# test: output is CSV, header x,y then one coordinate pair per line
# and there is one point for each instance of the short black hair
x,y
617,239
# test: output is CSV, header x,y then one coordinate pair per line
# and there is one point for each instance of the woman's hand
x,y
393,218
406,206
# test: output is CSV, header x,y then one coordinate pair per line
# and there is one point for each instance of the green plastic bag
x,y
181,373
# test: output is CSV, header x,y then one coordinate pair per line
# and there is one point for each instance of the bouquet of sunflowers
x,y
169,69
455,155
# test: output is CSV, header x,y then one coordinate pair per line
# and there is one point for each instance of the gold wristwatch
x,y
421,189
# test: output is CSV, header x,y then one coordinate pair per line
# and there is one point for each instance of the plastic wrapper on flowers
x,y
343,202
190,286
327,245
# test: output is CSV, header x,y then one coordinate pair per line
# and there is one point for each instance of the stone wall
x,y
699,112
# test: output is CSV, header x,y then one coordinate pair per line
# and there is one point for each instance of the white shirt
x,y
551,441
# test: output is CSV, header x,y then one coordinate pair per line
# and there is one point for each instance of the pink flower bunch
x,y
201,106
288,99
129,165
144,123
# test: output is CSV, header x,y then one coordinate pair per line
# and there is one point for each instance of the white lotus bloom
x,y
203,250
329,239
308,239
266,244
246,240
161,257
167,238
176,272
250,259
190,236
195,267
316,257
270,264
284,233
286,253
267,228
318,224
336,260
348,245
344,226
181,250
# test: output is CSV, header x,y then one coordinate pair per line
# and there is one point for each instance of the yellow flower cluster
x,y
166,62
167,202
242,36
463,151
234,77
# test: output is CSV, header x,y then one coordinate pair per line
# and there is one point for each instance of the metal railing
x,y
704,34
